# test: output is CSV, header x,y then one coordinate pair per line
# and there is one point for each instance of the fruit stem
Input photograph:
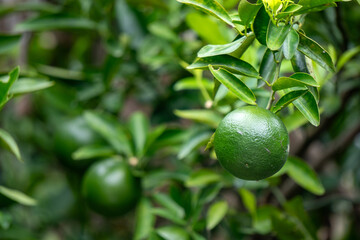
x,y
271,100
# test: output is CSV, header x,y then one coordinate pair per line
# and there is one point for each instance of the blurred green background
x,y
113,58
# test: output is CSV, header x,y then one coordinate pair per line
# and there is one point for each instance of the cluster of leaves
x,y
112,59
11,86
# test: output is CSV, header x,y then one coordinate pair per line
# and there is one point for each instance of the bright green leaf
x,y
9,143
208,117
294,121
291,44
5,85
304,175
202,178
207,28
227,62
214,50
170,204
194,143
315,52
261,24
190,83
249,200
110,129
28,85
234,84
287,99
215,214
247,11
308,106
138,127
268,68
211,7
347,56
17,196
295,208
92,151
56,21
295,80
145,220
173,233
168,214
298,62
276,35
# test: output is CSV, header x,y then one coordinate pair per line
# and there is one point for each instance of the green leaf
x,y
315,52
276,35
28,85
291,44
211,7
215,214
260,25
214,50
295,80
138,127
227,62
262,222
202,178
307,105
244,46
145,220
190,83
247,11
287,227
207,28
17,196
314,5
208,193
287,99
61,72
9,143
5,85
194,143
298,62
129,22
110,129
268,68
304,175
56,21
249,200
29,6
208,117
167,214
153,136
8,42
234,84
349,54
173,233
92,151
295,208
294,121
169,204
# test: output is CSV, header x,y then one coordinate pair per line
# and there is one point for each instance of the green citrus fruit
x,y
252,143
70,135
110,188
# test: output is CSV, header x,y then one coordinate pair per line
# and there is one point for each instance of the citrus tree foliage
x,y
143,85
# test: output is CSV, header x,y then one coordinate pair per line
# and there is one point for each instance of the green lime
x,y
70,135
110,188
251,143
